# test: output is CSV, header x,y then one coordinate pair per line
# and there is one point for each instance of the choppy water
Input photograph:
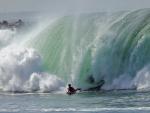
x,y
95,102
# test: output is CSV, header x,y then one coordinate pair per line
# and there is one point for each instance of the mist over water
x,y
75,49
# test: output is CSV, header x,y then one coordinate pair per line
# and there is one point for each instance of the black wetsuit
x,y
71,90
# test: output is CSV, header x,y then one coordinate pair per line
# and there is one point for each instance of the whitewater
x,y
38,61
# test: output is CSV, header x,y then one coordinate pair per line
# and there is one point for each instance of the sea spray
x,y
21,71
142,79
7,36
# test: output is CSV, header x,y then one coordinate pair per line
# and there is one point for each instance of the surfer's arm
x,y
78,89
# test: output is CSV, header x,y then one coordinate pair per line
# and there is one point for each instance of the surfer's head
x,y
69,85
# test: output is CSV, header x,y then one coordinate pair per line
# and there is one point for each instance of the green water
x,y
102,45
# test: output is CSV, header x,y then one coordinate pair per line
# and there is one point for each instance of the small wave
x,y
77,109
91,109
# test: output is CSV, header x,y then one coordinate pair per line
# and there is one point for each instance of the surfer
x,y
72,90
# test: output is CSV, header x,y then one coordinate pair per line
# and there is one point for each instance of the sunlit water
x,y
95,102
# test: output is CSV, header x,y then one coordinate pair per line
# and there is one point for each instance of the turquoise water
x,y
110,46
95,102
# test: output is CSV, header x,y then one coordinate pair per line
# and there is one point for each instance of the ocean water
x,y
38,60
92,102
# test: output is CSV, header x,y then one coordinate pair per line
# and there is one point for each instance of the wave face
x,y
81,49
86,48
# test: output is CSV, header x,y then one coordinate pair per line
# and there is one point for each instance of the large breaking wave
x,y
76,48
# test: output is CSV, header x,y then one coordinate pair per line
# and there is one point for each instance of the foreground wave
x,y
81,49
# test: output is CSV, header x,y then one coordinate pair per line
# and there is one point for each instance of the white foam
x,y
44,82
124,81
140,82
92,109
142,79
132,109
21,71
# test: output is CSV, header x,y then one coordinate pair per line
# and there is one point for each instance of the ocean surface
x,y
92,102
